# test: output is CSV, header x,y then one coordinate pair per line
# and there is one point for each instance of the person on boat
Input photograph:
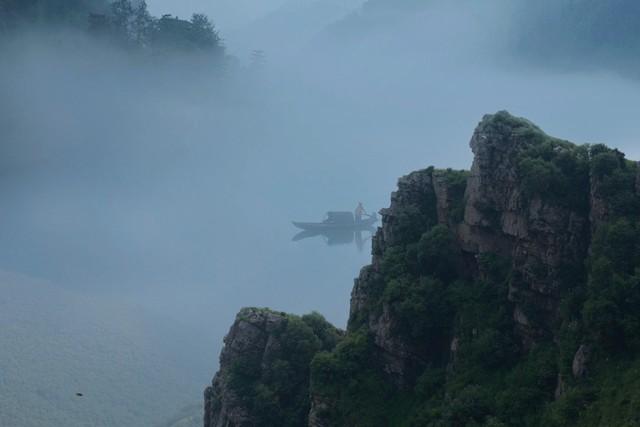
x,y
360,211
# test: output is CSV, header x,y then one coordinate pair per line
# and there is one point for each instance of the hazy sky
x,y
225,13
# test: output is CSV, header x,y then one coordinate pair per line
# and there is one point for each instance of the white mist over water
x,y
156,200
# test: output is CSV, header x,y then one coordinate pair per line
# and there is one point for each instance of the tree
x,y
204,35
143,25
122,17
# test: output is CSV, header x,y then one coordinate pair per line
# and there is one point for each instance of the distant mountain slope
x,y
600,34
375,15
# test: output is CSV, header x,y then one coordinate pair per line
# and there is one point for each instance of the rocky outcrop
x,y
541,235
362,293
263,377
413,209
319,415
424,199
580,365
400,359
447,197
252,336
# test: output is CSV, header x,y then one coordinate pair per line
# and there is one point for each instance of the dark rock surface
x,y
580,365
251,333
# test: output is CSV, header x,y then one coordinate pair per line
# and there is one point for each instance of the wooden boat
x,y
338,221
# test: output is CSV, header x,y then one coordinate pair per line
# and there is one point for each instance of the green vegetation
x,y
616,181
348,375
119,22
417,217
276,390
556,170
134,28
610,312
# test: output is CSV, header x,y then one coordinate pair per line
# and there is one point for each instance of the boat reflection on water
x,y
339,237
339,228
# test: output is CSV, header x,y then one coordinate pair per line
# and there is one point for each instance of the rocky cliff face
x,y
423,199
477,273
251,336
543,237
264,369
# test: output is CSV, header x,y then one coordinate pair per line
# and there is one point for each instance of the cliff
x,y
264,369
505,295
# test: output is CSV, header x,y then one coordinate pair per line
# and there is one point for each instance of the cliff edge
x,y
264,369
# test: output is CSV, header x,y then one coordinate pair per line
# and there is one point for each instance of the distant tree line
x,y
126,23
133,26
14,13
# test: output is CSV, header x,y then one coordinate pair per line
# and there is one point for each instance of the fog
x,y
146,203
229,14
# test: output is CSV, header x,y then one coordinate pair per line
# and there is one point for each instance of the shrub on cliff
x,y
348,376
615,178
556,170
437,253
421,309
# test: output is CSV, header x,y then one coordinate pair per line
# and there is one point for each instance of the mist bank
x,y
566,35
